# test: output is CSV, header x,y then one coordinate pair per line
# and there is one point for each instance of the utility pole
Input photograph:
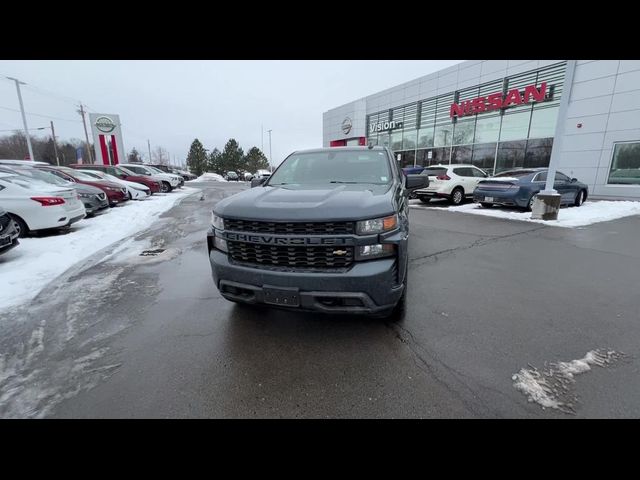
x,y
262,137
86,135
149,145
55,148
270,157
24,118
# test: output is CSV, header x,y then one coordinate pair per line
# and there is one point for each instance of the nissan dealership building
x,y
503,114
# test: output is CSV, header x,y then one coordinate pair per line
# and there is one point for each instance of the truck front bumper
x,y
366,288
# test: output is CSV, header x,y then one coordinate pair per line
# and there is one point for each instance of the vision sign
x,y
386,125
498,101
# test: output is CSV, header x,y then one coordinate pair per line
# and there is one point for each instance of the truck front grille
x,y
291,257
293,228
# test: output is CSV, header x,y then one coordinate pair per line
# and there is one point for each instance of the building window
x,y
543,122
625,166
461,154
515,126
463,132
396,140
425,137
487,129
406,158
510,155
443,135
484,156
538,153
409,139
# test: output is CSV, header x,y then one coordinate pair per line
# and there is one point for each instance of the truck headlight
x,y
220,243
217,222
376,225
378,250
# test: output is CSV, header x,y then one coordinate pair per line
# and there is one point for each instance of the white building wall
x,y
605,101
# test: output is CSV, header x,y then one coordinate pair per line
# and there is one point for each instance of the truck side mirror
x,y
414,182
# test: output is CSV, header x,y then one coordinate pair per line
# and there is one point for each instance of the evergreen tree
x,y
134,156
231,157
197,158
255,160
214,162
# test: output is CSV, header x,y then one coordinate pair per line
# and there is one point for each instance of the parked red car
x,y
115,193
123,174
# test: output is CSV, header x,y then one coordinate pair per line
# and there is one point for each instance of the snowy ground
x,y
590,212
210,177
26,269
546,387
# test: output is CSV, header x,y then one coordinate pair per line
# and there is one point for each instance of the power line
x,y
41,115
42,91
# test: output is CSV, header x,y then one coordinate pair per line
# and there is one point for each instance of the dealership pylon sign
x,y
107,138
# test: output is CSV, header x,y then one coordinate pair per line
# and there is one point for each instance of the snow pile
x,y
547,386
208,176
588,213
25,270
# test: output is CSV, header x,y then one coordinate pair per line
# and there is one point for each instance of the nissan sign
x,y
499,101
346,126
105,124
386,125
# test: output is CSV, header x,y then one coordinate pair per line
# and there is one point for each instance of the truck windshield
x,y
322,167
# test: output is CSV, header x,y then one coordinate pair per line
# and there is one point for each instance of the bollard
x,y
546,206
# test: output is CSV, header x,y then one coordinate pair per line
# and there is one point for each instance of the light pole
x,y
149,146
547,203
24,118
55,148
270,157
86,134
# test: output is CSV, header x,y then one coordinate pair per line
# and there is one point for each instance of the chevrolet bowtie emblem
x,y
339,252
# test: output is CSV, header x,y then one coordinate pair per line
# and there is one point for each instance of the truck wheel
x,y
166,187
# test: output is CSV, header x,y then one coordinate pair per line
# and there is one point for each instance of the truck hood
x,y
309,203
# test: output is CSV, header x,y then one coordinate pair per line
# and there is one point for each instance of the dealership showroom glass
x,y
502,114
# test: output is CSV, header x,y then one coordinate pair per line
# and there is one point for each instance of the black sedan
x,y
8,232
517,188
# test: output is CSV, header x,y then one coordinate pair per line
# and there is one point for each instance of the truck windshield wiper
x,y
364,183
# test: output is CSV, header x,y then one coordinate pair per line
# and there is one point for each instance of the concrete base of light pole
x,y
546,205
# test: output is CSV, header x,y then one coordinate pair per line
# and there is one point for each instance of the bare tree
x,y
160,155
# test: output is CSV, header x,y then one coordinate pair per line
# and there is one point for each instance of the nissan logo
x,y
105,124
346,125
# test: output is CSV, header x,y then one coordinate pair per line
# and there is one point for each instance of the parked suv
x,y
453,182
326,232
167,180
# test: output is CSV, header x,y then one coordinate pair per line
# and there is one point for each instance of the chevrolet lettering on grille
x,y
274,240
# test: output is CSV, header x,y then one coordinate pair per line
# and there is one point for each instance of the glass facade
x,y
520,135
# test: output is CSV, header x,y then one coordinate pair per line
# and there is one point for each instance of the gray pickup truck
x,y
327,232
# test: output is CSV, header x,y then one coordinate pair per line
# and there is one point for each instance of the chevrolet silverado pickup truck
x,y
326,232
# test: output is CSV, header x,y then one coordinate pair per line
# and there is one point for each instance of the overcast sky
x,y
172,102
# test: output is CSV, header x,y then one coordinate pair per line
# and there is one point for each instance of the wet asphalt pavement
x,y
151,337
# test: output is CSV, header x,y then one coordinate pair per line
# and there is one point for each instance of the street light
x,y
24,117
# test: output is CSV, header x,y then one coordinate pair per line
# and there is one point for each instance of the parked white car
x,y
136,191
453,182
36,205
169,181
